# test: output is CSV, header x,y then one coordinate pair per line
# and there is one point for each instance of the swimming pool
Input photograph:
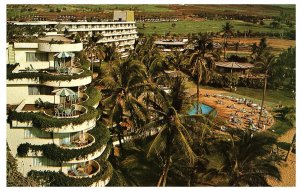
x,y
204,108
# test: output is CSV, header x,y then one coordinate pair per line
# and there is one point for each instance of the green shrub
x,y
55,153
94,96
43,121
42,76
50,178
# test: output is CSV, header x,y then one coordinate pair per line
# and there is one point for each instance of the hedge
x,y
50,178
55,153
94,96
42,76
43,121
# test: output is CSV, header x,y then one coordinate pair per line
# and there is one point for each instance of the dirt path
x,y
288,168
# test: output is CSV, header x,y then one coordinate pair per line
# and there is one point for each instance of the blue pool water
x,y
204,108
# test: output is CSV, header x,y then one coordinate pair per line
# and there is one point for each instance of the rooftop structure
x,y
233,66
171,45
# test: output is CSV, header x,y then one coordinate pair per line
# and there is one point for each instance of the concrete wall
x,y
20,57
120,15
15,94
130,16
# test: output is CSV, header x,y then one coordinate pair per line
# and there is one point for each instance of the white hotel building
x,y
54,132
122,31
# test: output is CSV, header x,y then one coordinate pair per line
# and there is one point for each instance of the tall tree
x,y
198,61
173,137
123,85
265,62
93,51
111,54
236,47
227,30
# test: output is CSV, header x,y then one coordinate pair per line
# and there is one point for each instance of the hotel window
x,y
28,134
38,161
36,56
42,161
33,90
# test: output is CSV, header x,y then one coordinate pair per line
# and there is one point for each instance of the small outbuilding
x,y
228,67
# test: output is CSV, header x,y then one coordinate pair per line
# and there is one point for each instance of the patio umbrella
x,y
64,92
64,55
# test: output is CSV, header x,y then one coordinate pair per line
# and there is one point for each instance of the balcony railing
x,y
82,141
86,171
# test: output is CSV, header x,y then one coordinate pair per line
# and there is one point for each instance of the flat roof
x,y
234,65
55,37
65,23
169,43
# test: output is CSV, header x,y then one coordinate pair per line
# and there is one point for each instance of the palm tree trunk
x,y
92,65
198,81
224,47
291,147
163,178
263,98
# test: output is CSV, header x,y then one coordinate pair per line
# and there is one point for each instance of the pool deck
x,y
226,113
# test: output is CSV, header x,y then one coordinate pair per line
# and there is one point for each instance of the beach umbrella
x,y
64,55
64,92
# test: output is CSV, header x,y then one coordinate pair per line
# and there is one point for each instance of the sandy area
x,y
241,110
288,168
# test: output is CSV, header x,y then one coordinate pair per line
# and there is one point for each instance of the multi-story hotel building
x,y
122,31
52,127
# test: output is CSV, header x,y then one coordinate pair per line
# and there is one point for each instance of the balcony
x,y
28,115
73,77
71,111
80,141
88,170
66,71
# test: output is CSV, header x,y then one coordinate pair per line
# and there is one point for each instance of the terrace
x,y
85,170
79,140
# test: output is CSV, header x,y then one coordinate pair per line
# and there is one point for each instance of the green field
x,y
185,27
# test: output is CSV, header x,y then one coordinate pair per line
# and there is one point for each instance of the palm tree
x,y
93,50
260,49
265,63
236,46
124,84
173,135
111,54
246,160
198,61
291,117
228,31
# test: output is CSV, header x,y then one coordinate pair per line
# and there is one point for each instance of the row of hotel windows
x,y
36,57
99,26
36,133
42,161
39,90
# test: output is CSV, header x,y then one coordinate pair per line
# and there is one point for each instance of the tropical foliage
x,y
246,160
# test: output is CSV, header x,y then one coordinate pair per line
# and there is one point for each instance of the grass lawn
x,y
273,97
185,27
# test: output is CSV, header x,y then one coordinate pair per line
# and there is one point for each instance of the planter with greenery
x,y
43,76
56,153
50,178
42,121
